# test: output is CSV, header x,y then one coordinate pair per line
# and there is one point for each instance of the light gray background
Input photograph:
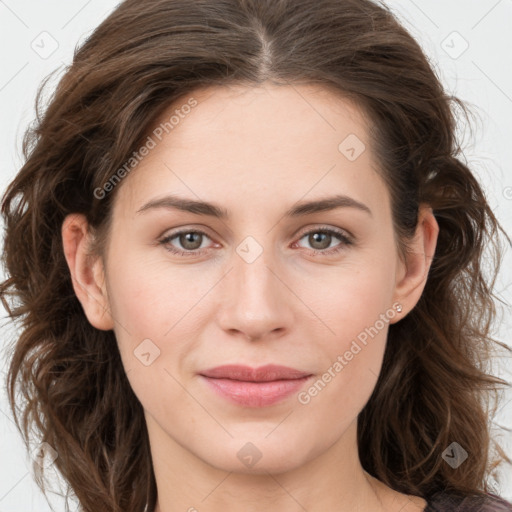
x,y
468,42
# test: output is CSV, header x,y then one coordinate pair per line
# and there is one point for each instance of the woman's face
x,y
280,278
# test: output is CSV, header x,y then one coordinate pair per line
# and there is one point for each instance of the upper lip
x,y
265,373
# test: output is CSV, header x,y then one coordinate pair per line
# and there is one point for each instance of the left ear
x,y
412,273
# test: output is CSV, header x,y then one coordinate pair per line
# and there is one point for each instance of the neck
x,y
333,480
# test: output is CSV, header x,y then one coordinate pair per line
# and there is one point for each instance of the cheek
x,y
150,320
148,297
357,309
156,312
351,298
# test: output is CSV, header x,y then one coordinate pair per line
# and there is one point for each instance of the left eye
x,y
192,241
321,239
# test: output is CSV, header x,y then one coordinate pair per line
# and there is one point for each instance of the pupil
x,y
325,237
187,240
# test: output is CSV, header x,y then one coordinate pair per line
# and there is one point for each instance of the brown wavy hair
x,y
66,382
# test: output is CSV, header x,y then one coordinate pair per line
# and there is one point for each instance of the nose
x,y
257,302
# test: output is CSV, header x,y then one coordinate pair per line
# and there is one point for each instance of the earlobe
x,y
87,273
412,273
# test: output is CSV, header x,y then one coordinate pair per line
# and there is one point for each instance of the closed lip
x,y
267,373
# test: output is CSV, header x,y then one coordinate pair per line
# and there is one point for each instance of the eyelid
x,y
326,227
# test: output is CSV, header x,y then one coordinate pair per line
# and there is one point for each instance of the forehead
x,y
260,142
263,110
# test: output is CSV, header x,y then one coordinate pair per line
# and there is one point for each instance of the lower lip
x,y
255,394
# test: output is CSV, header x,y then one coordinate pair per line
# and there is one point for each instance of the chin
x,y
256,455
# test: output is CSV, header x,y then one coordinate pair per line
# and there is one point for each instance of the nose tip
x,y
255,303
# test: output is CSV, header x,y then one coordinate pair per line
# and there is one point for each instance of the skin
x,y
256,152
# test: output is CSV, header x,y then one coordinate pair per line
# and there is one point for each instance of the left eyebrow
x,y
213,210
329,203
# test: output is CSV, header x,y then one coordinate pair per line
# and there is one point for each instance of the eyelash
x,y
346,241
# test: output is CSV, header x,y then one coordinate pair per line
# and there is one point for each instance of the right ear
x,y
87,272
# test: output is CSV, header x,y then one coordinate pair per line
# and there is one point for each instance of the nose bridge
x,y
256,300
